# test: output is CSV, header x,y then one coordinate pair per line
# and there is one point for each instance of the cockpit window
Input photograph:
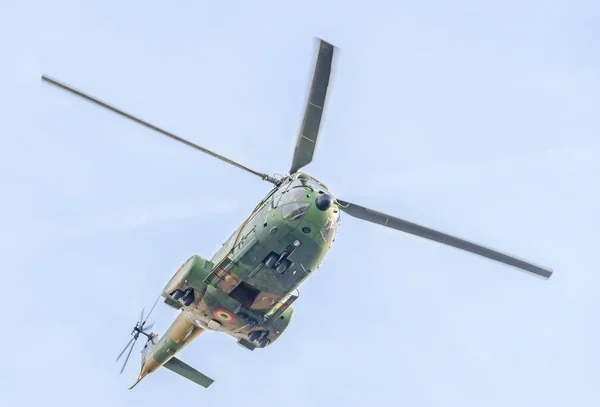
x,y
292,195
289,192
298,183
309,181
317,186
275,199
294,210
328,229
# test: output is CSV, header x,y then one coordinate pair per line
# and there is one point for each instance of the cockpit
x,y
294,210
296,187
305,180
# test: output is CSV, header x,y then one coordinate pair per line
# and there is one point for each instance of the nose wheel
x,y
278,262
259,338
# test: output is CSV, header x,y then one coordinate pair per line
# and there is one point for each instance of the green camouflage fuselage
x,y
247,287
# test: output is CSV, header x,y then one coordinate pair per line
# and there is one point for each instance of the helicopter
x,y
247,287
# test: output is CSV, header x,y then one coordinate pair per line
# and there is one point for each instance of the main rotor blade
x,y
155,128
313,113
431,234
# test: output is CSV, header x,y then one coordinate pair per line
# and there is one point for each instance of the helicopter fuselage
x,y
247,287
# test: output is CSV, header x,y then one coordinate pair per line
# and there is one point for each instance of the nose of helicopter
x,y
324,201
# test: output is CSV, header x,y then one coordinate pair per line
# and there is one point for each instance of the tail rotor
x,y
140,328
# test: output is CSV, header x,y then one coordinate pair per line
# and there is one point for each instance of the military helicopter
x,y
247,288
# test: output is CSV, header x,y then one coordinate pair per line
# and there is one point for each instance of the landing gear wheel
x,y
271,260
283,266
188,297
177,294
263,342
254,335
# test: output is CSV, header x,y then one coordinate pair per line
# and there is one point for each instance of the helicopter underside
x,y
249,293
248,287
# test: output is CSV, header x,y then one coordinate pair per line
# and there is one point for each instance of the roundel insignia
x,y
224,315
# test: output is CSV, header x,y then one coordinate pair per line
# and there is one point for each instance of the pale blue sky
x,y
481,120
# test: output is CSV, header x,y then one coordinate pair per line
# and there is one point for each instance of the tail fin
x,y
137,381
182,369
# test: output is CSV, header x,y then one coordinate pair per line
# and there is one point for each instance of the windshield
x,y
328,230
310,182
292,195
317,186
294,210
290,192
297,183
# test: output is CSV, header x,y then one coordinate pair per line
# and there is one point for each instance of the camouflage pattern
x,y
155,354
237,291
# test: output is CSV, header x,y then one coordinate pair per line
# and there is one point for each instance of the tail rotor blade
x,y
142,315
127,359
151,309
124,349
149,327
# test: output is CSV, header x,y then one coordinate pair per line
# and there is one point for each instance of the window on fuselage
x,y
259,214
328,230
275,199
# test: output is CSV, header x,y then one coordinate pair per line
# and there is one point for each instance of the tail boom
x,y
181,332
